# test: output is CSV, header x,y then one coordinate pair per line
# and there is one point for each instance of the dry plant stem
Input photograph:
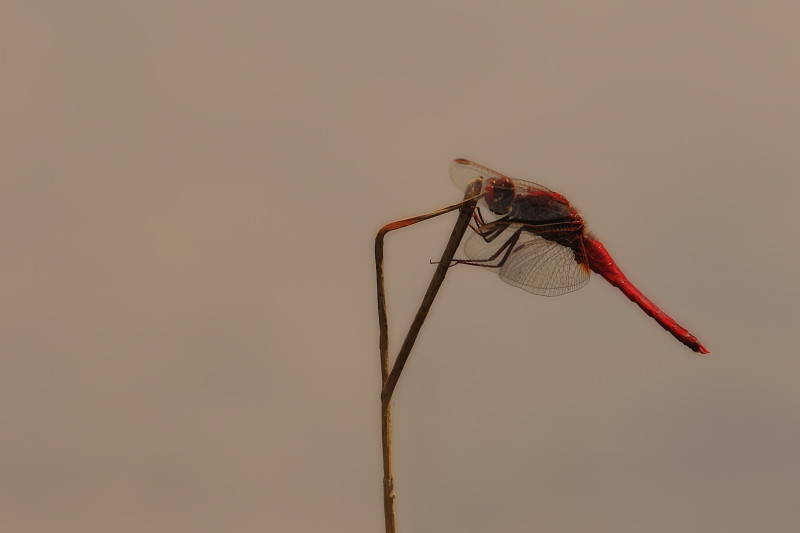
x,y
389,380
386,415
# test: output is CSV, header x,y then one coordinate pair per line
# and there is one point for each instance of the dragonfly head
x,y
500,195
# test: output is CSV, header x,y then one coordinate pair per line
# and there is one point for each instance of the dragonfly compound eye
x,y
500,196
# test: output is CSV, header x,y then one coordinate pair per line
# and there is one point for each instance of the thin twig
x,y
436,282
389,380
382,319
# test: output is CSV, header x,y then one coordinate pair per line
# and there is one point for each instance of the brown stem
x,y
389,380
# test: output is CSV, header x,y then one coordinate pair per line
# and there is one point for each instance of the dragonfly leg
x,y
477,217
491,233
489,262
496,227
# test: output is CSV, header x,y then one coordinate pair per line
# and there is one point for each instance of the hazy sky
x,y
189,195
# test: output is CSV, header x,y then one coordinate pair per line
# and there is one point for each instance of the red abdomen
x,y
600,261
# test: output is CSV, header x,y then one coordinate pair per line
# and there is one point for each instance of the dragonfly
x,y
538,242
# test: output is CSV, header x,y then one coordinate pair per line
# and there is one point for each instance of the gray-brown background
x,y
189,196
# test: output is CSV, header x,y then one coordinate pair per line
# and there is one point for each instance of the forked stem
x,y
389,379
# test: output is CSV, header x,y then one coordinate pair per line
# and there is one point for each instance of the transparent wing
x,y
526,260
543,267
463,171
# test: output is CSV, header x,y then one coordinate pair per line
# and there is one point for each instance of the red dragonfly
x,y
538,242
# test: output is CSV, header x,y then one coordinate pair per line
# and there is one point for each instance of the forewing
x,y
543,267
463,171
